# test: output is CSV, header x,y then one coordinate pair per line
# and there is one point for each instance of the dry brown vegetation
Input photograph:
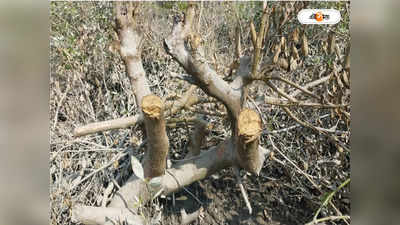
x,y
293,102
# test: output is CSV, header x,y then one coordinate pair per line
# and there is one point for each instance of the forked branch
x,y
192,60
130,47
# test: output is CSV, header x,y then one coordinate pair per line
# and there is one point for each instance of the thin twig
x,y
303,123
209,113
281,102
107,192
280,92
244,193
296,86
311,84
321,130
314,222
118,157
291,127
58,107
111,162
190,193
297,168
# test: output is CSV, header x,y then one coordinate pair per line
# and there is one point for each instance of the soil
x,y
223,203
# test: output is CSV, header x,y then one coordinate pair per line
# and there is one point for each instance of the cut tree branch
x,y
158,144
107,125
249,130
187,100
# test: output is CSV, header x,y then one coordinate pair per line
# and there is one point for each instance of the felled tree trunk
x,y
182,174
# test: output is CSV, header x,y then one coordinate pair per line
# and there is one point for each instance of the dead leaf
x,y
283,63
137,167
295,53
346,79
293,64
295,36
331,43
304,45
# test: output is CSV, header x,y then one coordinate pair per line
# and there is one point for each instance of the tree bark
x,y
99,215
107,125
195,65
158,144
181,174
197,138
130,47
249,130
